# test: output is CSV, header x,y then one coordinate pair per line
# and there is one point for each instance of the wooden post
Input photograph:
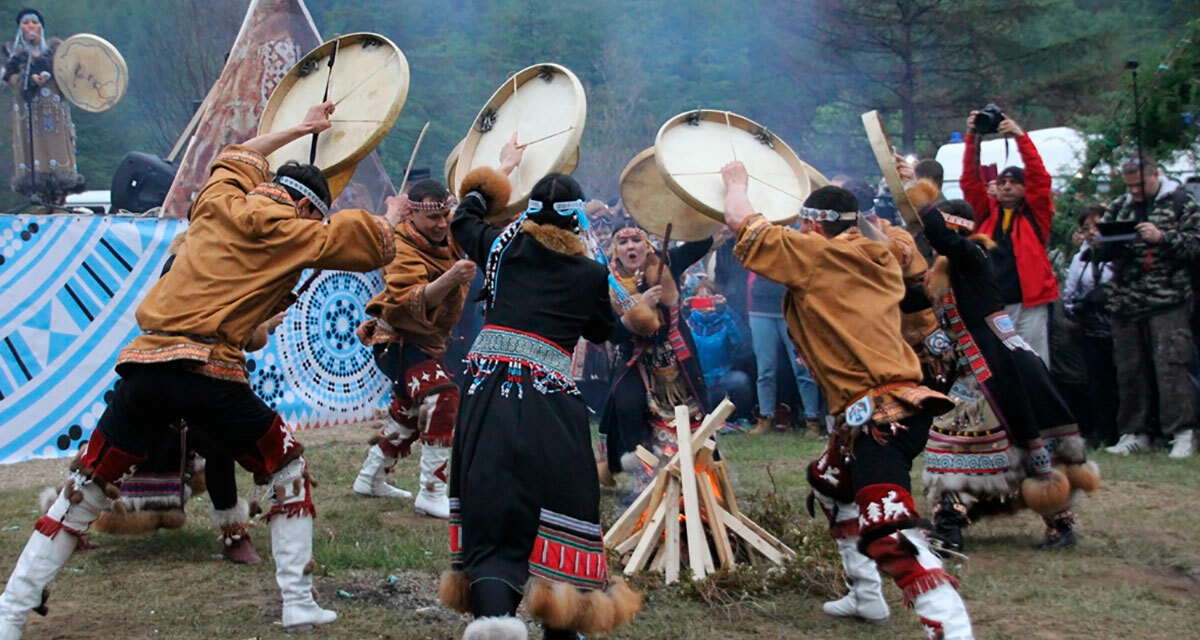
x,y
697,545
671,547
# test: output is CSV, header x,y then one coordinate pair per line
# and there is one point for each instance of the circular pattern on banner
x,y
321,360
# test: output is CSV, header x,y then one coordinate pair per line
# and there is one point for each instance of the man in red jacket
x,y
1018,219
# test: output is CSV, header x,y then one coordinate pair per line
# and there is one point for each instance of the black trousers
x,y
890,462
1102,388
227,418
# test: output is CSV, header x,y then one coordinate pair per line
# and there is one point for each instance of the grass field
x,y
1134,575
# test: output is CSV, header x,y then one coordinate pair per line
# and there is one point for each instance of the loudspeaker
x,y
141,182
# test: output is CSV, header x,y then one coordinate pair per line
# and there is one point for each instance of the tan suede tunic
x,y
402,306
843,312
244,253
915,326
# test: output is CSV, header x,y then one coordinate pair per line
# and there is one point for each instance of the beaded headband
x,y
956,221
306,192
826,215
448,203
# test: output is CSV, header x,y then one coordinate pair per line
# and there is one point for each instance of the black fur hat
x,y
26,11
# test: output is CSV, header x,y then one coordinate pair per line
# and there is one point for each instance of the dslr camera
x,y
988,119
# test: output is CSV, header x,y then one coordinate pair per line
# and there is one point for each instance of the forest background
x,y
804,68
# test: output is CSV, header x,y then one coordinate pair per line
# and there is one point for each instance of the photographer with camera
x,y
1149,298
1085,303
1018,220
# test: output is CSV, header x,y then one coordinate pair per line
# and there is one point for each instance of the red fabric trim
x,y
294,509
50,527
924,582
827,467
274,446
564,562
106,461
880,505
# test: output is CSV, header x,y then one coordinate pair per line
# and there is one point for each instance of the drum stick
x,y
783,191
365,80
729,127
413,157
666,244
526,144
312,149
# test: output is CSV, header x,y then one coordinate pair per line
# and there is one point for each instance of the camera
x,y
988,119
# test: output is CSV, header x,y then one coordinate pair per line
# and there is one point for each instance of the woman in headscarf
x,y
656,366
43,134
524,496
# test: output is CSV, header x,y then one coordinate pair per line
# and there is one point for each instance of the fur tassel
x,y
128,524
670,291
937,280
1047,496
627,602
199,482
562,606
557,604
172,519
643,320
454,590
237,514
554,238
492,185
1070,450
1085,477
921,194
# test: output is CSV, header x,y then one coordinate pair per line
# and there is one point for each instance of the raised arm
x,y
1037,179
974,190
779,253
484,191
315,121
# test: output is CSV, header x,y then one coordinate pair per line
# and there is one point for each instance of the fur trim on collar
x,y
554,238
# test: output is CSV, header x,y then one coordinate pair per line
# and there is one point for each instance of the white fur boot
x,y
291,546
432,499
497,628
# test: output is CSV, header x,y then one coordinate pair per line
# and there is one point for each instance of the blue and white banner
x,y
69,287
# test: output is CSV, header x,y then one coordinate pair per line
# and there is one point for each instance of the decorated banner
x,y
71,286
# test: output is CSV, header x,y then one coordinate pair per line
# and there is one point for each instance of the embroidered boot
x,y
235,535
432,499
949,518
865,599
393,441
50,546
928,589
1060,531
291,545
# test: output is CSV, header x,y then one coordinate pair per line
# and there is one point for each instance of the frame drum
x,y
546,107
368,86
881,144
691,148
653,205
90,72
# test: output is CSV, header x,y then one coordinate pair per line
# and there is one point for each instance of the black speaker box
x,y
141,182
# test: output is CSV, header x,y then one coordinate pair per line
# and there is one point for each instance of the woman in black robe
x,y
524,496
1012,433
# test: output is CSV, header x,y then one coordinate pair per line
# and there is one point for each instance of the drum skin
x,y
90,72
653,205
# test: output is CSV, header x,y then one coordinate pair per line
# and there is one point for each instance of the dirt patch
x,y
1172,582
413,591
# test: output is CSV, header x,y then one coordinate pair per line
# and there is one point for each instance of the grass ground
x,y
1134,575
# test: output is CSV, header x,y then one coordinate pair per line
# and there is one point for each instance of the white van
x,y
1062,150
98,202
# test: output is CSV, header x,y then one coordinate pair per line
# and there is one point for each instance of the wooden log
x,y
626,524
647,540
720,536
646,456
627,545
765,535
671,550
727,494
762,546
697,545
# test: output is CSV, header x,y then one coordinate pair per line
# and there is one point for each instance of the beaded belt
x,y
549,364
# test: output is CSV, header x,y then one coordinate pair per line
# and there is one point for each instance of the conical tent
x,y
274,35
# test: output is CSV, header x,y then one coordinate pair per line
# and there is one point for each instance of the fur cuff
x,y
921,194
554,238
237,514
983,240
1047,495
496,628
454,590
563,606
492,185
643,320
